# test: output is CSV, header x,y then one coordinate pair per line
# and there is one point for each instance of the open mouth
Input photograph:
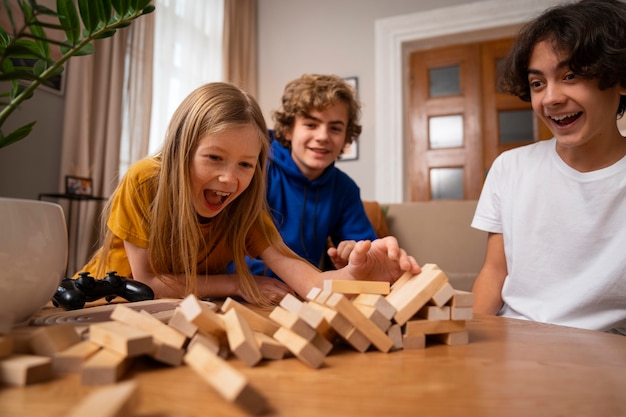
x,y
215,198
565,119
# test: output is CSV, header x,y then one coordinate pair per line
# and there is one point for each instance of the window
x,y
187,54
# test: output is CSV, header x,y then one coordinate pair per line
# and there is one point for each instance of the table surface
x,y
509,368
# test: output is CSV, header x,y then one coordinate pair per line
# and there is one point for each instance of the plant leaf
x,y
68,17
16,135
88,15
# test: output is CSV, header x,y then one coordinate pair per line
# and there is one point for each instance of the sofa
x,y
435,232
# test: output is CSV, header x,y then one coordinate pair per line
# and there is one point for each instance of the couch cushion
x,y
439,232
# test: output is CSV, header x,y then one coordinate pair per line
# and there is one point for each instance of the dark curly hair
x,y
316,92
589,34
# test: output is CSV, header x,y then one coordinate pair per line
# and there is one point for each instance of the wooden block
x,y
21,370
270,348
378,301
121,338
241,339
414,327
415,293
210,342
103,367
442,296
226,380
292,322
6,346
119,400
179,322
401,281
374,316
48,340
143,320
300,347
203,316
310,315
395,333
357,340
257,322
462,299
21,339
322,344
356,287
461,313
313,293
321,297
344,328
434,313
168,354
345,307
408,275
452,339
72,358
416,341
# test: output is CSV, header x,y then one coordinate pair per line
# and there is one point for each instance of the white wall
x,y
331,37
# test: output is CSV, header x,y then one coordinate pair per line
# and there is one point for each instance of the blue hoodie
x,y
307,212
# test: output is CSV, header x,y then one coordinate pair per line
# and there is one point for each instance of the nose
x,y
227,175
322,133
553,95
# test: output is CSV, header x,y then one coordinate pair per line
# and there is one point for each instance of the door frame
x,y
396,37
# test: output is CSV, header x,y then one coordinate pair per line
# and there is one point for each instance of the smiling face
x,y
222,168
317,138
580,115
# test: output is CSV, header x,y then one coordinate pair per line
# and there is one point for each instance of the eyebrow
x,y
560,65
332,122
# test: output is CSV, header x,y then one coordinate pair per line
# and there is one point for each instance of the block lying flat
x,y
226,380
118,400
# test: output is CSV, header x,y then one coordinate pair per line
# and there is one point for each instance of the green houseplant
x,y
27,40
33,241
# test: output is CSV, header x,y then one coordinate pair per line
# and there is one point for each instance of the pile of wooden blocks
x,y
361,314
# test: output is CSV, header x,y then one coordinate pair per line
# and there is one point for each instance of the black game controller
x,y
72,294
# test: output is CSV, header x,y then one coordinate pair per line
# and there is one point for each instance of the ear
x,y
289,134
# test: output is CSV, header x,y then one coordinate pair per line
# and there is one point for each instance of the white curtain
x,y
188,53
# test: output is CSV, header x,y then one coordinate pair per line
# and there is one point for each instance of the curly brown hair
x,y
316,92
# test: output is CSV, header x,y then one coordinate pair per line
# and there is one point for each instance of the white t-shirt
x,y
564,237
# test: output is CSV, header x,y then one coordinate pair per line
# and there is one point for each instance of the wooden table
x,y
509,368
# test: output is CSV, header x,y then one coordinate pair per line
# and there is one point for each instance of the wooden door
x,y
439,103
459,122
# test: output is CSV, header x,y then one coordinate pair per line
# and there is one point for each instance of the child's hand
x,y
339,256
380,260
274,289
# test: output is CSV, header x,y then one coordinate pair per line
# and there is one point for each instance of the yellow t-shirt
x,y
130,221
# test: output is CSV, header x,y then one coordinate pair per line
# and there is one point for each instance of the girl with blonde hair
x,y
178,219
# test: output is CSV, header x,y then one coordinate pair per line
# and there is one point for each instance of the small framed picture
x,y
78,185
350,152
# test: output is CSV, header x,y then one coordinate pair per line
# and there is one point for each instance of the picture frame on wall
x,y
80,186
351,151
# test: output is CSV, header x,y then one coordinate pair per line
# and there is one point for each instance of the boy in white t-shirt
x,y
556,210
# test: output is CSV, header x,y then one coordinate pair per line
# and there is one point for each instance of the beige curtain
x,y
240,44
93,123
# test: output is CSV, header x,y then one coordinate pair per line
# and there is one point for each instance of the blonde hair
x,y
175,238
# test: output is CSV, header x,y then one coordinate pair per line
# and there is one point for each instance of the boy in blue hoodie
x,y
309,197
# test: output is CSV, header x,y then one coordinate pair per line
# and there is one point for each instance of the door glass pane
x,y
444,81
446,183
445,131
516,126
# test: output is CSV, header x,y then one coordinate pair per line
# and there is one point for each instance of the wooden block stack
x,y
362,315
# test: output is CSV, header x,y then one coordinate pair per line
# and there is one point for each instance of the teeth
x,y
563,116
222,194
